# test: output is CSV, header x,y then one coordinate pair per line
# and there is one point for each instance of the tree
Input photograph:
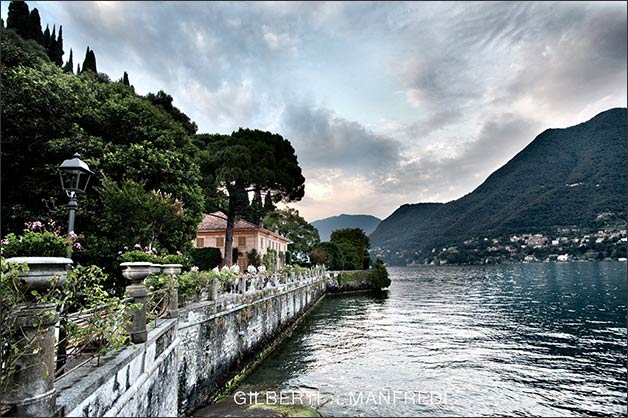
x,y
57,50
253,258
256,208
328,253
47,115
125,79
249,160
35,27
89,63
292,226
164,101
19,19
46,37
69,66
353,244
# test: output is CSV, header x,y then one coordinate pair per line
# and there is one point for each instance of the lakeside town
x,y
561,245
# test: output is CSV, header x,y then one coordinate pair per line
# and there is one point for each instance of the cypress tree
x,y
269,206
69,66
125,79
256,207
58,49
78,68
46,41
51,46
19,19
89,63
35,27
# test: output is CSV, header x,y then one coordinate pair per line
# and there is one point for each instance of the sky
x,y
385,103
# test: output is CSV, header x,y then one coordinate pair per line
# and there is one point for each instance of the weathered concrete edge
x,y
76,387
252,364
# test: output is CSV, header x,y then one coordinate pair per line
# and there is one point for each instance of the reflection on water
x,y
524,339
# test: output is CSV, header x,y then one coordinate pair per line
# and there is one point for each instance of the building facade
x,y
246,237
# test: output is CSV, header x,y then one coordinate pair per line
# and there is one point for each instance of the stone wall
x,y
138,380
186,361
219,341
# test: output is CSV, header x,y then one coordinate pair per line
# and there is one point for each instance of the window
x,y
241,242
200,242
220,242
261,242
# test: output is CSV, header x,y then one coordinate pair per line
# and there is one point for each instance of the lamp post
x,y
74,175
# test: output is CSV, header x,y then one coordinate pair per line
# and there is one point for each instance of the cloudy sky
x,y
385,103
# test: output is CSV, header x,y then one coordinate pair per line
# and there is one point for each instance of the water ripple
x,y
517,340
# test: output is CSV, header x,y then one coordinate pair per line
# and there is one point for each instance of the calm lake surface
x,y
523,339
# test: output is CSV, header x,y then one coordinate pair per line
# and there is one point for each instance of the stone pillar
x,y
29,389
243,284
135,273
173,270
215,287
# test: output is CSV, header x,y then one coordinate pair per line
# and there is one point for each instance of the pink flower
x,y
77,245
72,235
4,241
137,246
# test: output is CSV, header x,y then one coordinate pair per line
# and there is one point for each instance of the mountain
x,y
565,177
326,226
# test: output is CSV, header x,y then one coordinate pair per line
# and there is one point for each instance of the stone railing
x,y
31,391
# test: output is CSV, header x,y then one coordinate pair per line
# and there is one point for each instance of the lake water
x,y
522,339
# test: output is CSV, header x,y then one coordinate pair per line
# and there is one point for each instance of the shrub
x,y
39,240
206,258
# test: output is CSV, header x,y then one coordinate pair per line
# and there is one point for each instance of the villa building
x,y
246,236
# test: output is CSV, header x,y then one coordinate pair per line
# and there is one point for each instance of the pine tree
x,y
89,63
58,52
35,27
19,19
125,79
69,66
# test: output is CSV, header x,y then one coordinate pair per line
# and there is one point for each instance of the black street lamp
x,y
75,175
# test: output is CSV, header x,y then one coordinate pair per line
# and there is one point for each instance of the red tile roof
x,y
217,221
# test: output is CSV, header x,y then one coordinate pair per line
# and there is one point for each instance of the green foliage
x,y
270,260
377,277
89,62
292,226
328,253
38,240
150,218
353,245
163,101
19,20
253,258
104,330
120,135
69,65
250,160
206,258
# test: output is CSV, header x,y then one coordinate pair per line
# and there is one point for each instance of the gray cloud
x,y
325,140
462,87
440,176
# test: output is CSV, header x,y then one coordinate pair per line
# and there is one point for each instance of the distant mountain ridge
x,y
565,177
326,226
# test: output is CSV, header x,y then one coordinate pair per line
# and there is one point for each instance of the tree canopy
x,y
289,224
353,244
249,161
49,114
